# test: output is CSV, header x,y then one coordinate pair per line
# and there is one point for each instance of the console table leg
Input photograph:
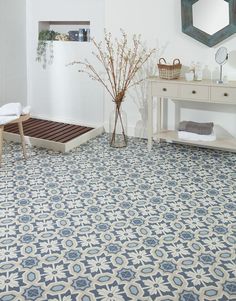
x,y
159,114
177,114
150,116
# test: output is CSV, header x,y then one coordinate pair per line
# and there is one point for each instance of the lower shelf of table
x,y
224,140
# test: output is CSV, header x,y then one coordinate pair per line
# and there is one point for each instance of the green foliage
x,y
45,45
48,35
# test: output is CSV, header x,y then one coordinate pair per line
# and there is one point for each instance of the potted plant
x,y
45,44
120,59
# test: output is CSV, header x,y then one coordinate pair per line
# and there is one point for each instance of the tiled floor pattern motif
x,y
109,224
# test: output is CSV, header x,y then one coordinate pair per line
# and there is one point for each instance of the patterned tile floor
x,y
104,224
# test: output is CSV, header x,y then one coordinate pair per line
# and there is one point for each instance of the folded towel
x,y
196,137
11,109
205,128
7,119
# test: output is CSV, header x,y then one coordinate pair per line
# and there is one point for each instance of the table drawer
x,y
223,94
166,90
194,92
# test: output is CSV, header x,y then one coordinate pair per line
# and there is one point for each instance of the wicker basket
x,y
169,71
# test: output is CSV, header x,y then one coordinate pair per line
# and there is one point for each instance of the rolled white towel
x,y
25,110
196,137
11,109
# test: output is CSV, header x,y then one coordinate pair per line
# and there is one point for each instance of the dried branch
x,y
120,62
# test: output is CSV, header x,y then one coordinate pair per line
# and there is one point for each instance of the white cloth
x,y
25,110
11,111
7,119
196,137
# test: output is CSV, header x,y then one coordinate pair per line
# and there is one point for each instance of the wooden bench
x,y
20,126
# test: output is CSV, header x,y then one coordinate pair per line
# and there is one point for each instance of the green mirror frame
x,y
201,36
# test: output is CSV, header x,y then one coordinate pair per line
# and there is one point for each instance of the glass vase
x,y
118,127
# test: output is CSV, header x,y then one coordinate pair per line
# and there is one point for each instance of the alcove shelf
x,y
77,31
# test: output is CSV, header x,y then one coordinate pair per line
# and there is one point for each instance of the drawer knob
x,y
164,89
194,92
226,94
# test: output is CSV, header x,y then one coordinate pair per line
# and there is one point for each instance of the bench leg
x,y
20,126
1,142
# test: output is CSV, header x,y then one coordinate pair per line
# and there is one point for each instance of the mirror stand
x,y
220,81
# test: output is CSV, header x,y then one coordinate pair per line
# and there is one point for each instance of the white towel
x,y
11,109
196,137
25,110
6,119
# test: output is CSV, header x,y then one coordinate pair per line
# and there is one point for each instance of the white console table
x,y
204,91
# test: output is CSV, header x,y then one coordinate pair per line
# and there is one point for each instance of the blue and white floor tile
x,y
106,224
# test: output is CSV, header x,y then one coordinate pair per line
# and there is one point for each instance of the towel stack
x,y
11,111
195,131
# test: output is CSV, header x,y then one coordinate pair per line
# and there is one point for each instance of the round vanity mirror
x,y
221,58
221,55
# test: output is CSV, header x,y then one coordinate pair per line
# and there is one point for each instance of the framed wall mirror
x,y
209,21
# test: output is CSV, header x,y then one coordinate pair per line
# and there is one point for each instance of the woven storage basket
x,y
169,71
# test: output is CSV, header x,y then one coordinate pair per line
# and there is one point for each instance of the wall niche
x,y
73,31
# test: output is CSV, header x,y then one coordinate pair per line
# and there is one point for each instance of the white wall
x,y
159,22
60,92
13,76
2,52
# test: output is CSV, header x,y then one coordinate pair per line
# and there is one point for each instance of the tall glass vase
x,y
118,127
